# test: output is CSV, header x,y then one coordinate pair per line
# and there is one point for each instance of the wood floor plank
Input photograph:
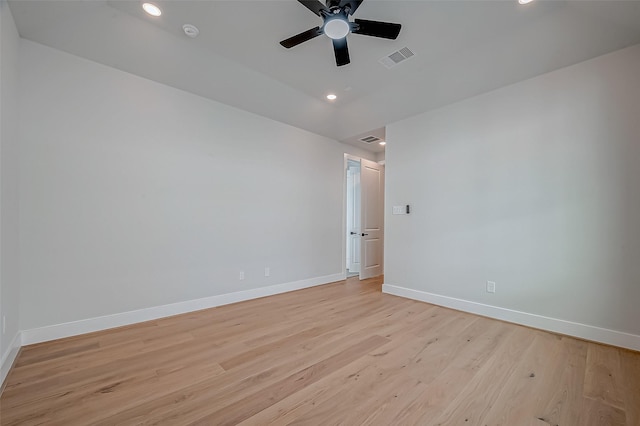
x,y
115,396
351,378
229,387
596,412
254,403
342,353
52,355
444,385
400,324
67,385
603,378
370,389
29,375
328,324
384,400
478,396
355,377
565,395
522,393
630,367
426,356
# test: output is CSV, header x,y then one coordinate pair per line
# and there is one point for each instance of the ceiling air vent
x,y
396,57
370,139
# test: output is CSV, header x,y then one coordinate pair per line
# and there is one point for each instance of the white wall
x,y
135,194
534,186
9,274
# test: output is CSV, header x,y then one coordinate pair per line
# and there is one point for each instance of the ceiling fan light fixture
x,y
151,9
336,28
332,97
336,25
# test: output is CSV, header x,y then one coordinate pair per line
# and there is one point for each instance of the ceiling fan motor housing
x,y
336,25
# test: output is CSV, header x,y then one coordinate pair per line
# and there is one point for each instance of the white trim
x,y
9,357
582,331
90,325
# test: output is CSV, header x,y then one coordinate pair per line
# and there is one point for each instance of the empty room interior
x,y
320,212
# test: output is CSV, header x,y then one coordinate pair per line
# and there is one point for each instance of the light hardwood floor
x,y
342,353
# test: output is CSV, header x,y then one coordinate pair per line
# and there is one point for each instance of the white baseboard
x,y
59,331
9,356
582,331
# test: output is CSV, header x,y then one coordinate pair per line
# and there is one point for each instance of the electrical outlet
x,y
241,275
491,287
267,271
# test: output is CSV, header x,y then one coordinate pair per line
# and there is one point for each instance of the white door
x,y
372,222
353,217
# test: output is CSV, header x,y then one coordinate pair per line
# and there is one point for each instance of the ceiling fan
x,y
336,26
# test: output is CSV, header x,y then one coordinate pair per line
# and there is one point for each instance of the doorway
x,y
353,217
364,217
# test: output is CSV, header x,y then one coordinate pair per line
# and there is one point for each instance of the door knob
x,y
364,234
353,233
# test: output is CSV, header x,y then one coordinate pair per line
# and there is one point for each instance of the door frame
x,y
345,164
351,207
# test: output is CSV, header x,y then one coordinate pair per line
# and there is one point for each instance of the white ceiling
x,y
463,48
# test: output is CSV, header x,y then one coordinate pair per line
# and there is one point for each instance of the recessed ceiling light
x,y
524,1
332,97
151,9
383,143
336,28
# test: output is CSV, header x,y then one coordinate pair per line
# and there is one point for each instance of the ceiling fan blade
x,y
301,38
353,5
341,50
376,28
315,6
